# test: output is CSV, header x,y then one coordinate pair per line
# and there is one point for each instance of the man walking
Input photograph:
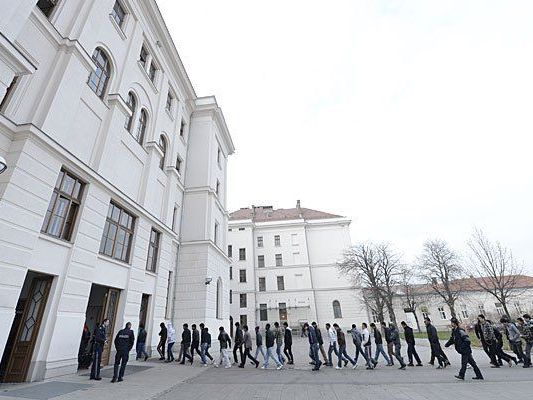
x,y
171,339
320,341
434,343
461,341
395,338
366,343
237,345
195,344
492,337
205,344
313,344
513,336
123,344
278,333
141,343
390,345
288,343
342,355
332,337
162,341
411,350
378,339
99,339
478,329
270,348
526,326
225,344
357,339
259,343
247,339
186,339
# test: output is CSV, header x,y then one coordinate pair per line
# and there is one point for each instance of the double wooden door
x,y
109,312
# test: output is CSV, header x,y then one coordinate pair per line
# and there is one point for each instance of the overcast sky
x,y
412,118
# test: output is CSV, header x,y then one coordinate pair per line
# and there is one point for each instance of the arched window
x,y
141,127
219,298
131,105
163,147
99,78
337,313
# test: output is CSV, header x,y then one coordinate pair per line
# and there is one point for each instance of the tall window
x,y
281,283
425,311
152,72
499,309
178,164
279,260
219,156
263,312
219,299
217,227
143,57
175,218
182,128
242,276
337,312
217,189
244,320
243,301
230,250
242,254
63,208
141,127
518,307
261,261
169,297
277,240
153,250
170,101
481,308
99,78
262,284
375,316
231,273
163,147
260,241
131,105
282,311
9,93
118,233
231,296
46,6
442,313
464,311
118,13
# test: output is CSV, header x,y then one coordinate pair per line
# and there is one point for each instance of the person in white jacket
x,y
171,339
366,343
332,336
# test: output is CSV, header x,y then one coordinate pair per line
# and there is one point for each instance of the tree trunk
x,y
416,319
390,310
451,306
507,313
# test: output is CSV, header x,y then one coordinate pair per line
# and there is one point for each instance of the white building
x,y
114,200
284,267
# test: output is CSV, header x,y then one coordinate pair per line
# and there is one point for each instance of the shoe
x,y
263,367
92,378
430,363
315,369
495,366
460,377
256,364
337,367
478,378
354,366
510,364
113,380
389,365
439,367
419,365
526,366
161,358
280,367
98,378
227,366
216,366
370,368
410,365
345,363
145,358
120,380
402,367
182,363
241,366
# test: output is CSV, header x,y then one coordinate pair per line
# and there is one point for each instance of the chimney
x,y
253,211
299,209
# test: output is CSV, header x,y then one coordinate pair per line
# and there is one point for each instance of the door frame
x,y
112,297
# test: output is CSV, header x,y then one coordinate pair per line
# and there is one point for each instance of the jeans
x,y
161,349
170,355
342,355
269,355
436,352
97,358
287,350
381,350
248,355
224,358
141,350
332,348
398,354
466,358
411,352
121,358
279,353
185,350
235,348
368,356
259,349
517,349
195,347
390,351
204,352
313,353
527,354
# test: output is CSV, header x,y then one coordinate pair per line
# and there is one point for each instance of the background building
x,y
113,204
284,267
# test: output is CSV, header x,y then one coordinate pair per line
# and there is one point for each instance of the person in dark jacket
x,y
378,340
186,339
479,334
270,340
123,344
434,343
287,350
342,355
99,339
259,348
237,343
225,344
411,350
395,338
313,344
320,342
141,343
460,339
162,341
513,336
205,344
195,344
247,342
390,345
82,351
526,332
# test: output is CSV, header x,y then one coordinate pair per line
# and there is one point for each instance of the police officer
x,y
99,339
123,344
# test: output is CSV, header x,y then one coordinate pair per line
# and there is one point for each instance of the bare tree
x,y
439,266
412,295
360,264
496,271
390,275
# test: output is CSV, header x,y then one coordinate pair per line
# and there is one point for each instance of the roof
x,y
269,213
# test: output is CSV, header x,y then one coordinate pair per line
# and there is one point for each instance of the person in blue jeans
x,y
270,345
99,339
378,340
313,345
279,335
342,355
205,344
141,343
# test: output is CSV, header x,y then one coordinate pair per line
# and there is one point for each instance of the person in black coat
x,y
195,344
186,344
123,344
99,339
287,350
434,343
163,333
460,339
411,350
237,343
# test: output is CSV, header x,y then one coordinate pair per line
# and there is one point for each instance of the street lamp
x,y
3,164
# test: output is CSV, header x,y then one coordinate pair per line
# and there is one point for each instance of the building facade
x,y
284,268
114,201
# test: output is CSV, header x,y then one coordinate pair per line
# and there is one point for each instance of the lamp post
x,y
3,164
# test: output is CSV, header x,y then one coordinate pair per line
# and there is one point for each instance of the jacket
x,y
357,337
433,336
205,337
269,338
319,336
186,337
171,334
527,332
488,332
394,336
195,336
513,332
377,337
332,335
409,335
386,332
312,336
247,339
366,337
258,339
460,339
341,339
288,336
238,336
124,340
224,339
99,335
278,332
141,336
163,333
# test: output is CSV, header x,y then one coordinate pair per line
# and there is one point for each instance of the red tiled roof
x,y
268,213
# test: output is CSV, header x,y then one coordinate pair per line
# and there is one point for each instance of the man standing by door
x,y
141,343
99,339
123,344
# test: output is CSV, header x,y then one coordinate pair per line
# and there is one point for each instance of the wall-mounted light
x,y
3,164
208,280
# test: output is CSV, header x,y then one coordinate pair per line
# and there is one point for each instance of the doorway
x,y
25,327
103,303
143,313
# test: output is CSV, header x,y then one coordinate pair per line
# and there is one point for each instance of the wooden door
x,y
110,312
19,362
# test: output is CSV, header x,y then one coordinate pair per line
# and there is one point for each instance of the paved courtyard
x,y
155,380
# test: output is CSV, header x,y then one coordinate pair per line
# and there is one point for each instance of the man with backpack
x,y
527,334
460,339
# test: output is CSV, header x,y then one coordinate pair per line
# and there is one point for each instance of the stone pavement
x,y
155,380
